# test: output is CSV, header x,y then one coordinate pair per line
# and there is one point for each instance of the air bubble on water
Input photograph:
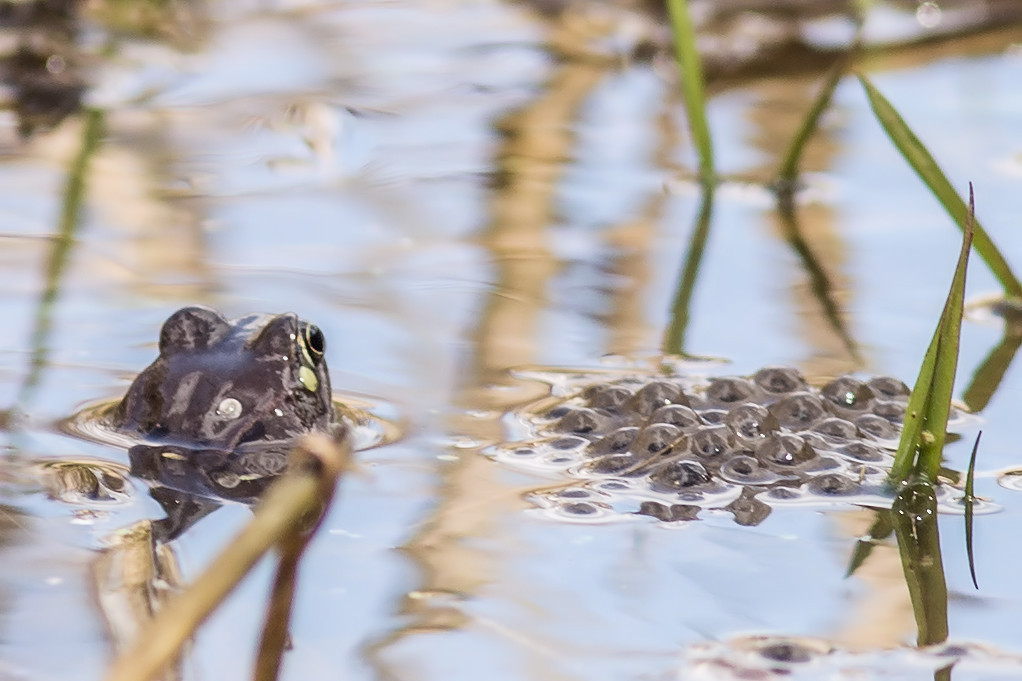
x,y
785,450
652,396
895,412
779,380
614,485
678,475
751,422
745,470
822,463
557,412
614,442
799,411
713,417
615,464
567,443
836,429
580,508
580,512
606,397
832,485
677,415
711,443
877,427
580,420
575,493
728,390
887,387
668,513
847,395
656,438
783,494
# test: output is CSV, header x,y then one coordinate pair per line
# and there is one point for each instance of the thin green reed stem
x,y
926,167
787,172
922,437
692,89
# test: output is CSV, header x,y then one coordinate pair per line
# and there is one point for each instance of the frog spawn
x,y
785,658
669,448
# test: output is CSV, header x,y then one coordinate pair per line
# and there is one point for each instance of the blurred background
x,y
453,189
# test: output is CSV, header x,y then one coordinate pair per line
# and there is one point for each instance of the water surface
x,y
448,200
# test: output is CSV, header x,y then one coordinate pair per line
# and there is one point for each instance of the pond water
x,y
451,198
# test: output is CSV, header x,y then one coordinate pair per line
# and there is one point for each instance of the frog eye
x,y
313,341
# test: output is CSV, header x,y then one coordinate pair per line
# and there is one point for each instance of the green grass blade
x,y
922,438
970,502
926,167
787,172
692,90
915,526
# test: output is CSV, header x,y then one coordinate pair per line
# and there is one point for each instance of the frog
x,y
217,412
222,384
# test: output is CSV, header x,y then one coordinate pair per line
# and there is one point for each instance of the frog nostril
x,y
229,408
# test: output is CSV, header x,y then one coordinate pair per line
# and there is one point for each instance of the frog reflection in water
x,y
220,407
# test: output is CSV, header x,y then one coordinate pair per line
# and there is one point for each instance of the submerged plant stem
x,y
915,525
292,547
285,511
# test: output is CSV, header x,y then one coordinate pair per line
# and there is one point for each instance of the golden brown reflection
x,y
821,294
537,145
133,577
881,617
161,248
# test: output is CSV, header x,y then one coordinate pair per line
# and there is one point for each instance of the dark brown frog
x,y
222,384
